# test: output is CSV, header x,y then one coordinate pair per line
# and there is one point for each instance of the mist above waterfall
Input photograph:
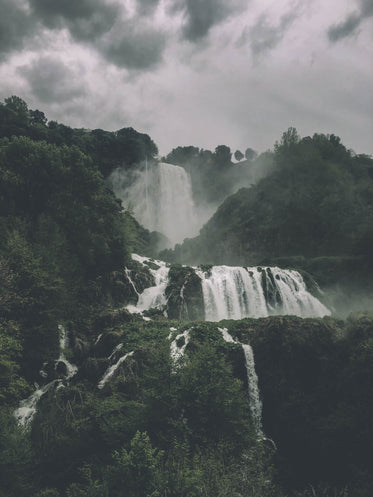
x,y
161,198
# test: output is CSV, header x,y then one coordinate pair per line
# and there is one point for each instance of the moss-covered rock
x,y
184,294
109,319
106,343
93,368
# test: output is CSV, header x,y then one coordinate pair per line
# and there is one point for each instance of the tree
x,y
250,154
222,155
18,106
289,138
238,155
37,117
136,473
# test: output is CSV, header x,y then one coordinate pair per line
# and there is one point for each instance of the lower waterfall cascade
x,y
252,381
238,292
27,408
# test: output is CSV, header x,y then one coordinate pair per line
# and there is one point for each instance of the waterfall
x,y
153,296
71,369
176,351
161,199
237,292
111,370
27,408
252,381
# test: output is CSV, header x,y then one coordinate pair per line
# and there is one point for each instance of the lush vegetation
x,y
164,424
317,201
108,150
213,174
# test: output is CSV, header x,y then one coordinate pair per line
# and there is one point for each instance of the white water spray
x,y
252,381
111,370
237,292
176,351
161,199
27,408
154,296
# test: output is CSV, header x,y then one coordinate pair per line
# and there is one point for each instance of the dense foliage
x,y
213,174
108,150
317,201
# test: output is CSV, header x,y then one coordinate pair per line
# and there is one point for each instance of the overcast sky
x,y
195,72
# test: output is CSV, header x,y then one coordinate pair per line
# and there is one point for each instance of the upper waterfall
x,y
161,199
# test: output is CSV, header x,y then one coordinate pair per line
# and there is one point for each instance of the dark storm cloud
x,y
350,25
136,46
202,15
52,81
345,28
366,8
85,19
263,36
16,25
130,44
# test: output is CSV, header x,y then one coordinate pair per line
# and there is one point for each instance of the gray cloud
x,y
263,36
135,46
51,81
352,22
145,7
202,15
366,8
16,25
85,19
345,28
127,43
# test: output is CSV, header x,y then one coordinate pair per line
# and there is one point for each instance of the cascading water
x,y
237,292
232,293
252,381
161,199
176,350
27,409
111,369
153,296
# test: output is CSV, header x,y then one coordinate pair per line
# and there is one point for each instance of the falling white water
x,y
154,296
27,408
128,274
64,343
176,351
294,295
226,336
237,292
161,199
116,349
232,293
252,381
111,370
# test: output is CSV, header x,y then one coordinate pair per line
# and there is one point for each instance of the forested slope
x,y
317,201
